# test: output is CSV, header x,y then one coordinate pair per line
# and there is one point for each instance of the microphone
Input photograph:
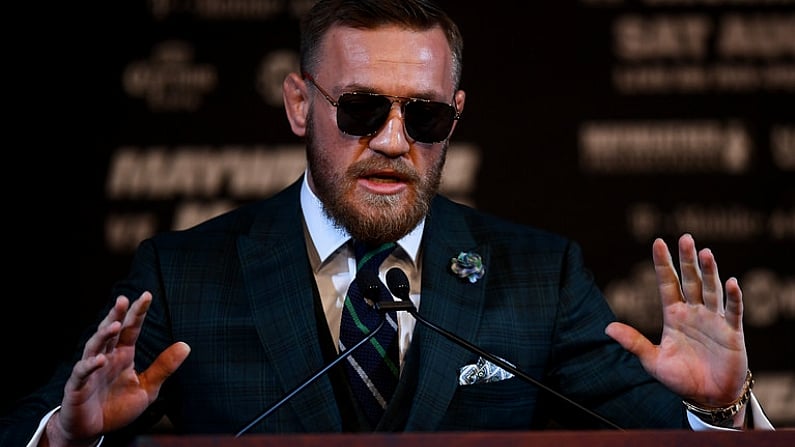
x,y
371,287
372,291
398,284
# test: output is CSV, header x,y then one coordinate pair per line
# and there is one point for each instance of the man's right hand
x,y
104,392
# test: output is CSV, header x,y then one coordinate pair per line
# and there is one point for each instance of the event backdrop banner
x,y
611,122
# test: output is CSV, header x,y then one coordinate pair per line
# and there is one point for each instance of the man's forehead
x,y
389,51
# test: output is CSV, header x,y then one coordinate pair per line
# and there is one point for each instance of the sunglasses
x,y
361,114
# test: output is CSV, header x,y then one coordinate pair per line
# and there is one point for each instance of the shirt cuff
x,y
34,441
761,422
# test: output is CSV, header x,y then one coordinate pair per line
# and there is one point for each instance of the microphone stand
x,y
310,380
398,284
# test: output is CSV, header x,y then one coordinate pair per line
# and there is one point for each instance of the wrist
x,y
725,416
55,435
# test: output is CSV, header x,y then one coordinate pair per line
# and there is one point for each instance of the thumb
x,y
164,365
631,340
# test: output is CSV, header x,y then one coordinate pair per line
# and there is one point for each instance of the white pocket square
x,y
482,372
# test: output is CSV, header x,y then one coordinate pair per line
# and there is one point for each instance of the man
x,y
230,316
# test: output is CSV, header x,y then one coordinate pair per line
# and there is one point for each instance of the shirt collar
x,y
328,237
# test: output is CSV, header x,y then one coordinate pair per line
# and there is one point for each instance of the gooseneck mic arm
x,y
371,291
398,284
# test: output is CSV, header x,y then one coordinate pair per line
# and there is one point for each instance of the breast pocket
x,y
506,404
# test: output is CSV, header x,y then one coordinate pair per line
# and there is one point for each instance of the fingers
x,y
691,272
734,304
104,338
700,282
82,371
122,324
134,319
712,292
667,279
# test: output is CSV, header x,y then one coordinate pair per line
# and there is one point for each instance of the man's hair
x,y
418,15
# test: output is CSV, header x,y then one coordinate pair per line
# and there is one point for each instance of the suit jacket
x,y
240,291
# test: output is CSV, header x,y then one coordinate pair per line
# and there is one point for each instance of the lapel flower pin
x,y
468,265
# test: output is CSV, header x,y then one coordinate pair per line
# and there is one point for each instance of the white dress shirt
x,y
334,265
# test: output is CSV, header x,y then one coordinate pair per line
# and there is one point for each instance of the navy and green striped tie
x,y
373,369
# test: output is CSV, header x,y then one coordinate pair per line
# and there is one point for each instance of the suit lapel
x,y
449,302
276,272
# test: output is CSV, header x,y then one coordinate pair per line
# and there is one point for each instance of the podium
x,y
645,438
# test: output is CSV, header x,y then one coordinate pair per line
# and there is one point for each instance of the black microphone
x,y
370,285
398,284
371,290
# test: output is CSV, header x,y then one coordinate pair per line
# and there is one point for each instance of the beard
x,y
372,218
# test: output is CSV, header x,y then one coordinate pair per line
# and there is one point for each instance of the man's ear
x,y
460,99
296,102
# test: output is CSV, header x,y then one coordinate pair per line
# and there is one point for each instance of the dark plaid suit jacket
x,y
239,290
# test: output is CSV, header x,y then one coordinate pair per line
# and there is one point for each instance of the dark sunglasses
x,y
362,114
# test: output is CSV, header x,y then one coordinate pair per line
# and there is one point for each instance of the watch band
x,y
719,415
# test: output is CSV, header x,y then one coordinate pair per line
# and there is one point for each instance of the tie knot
x,y
371,256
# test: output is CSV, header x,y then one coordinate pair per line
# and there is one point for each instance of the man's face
x,y
378,187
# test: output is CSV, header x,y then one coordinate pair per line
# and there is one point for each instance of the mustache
x,y
398,167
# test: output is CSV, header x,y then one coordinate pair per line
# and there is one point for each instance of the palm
x,y
701,355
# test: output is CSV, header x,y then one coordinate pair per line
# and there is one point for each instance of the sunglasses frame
x,y
403,100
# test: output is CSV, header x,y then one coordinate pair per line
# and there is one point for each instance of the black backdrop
x,y
609,121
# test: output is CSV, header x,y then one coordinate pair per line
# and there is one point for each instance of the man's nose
x,y
391,139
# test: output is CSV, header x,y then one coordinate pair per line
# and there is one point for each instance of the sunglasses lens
x,y
429,122
362,114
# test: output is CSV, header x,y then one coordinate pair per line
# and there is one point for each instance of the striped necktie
x,y
373,369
